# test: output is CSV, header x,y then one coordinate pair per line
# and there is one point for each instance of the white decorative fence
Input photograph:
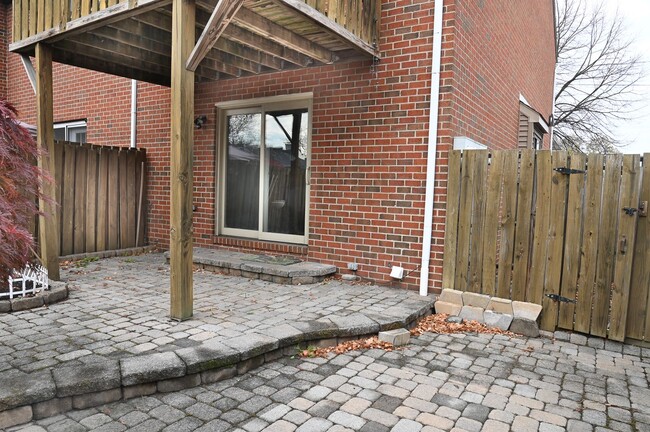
x,y
32,279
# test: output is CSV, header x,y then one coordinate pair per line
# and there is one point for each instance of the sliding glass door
x,y
264,183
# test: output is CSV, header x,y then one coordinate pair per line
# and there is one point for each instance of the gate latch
x,y
559,298
567,171
630,211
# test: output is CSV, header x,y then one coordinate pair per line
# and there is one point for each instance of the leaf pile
x,y
437,323
353,345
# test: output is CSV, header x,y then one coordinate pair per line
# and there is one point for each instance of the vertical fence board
x,y
80,199
522,232
141,176
638,323
629,198
123,205
507,225
464,221
113,201
33,18
58,160
559,184
40,15
24,16
589,250
490,228
542,220
102,201
606,245
451,220
91,200
67,206
131,200
478,220
572,241
75,9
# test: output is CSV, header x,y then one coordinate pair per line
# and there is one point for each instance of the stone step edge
x,y
57,292
187,367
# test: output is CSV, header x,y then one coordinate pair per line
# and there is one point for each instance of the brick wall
x,y
3,49
369,137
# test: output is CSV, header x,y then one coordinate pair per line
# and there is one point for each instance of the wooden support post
x,y
182,135
48,221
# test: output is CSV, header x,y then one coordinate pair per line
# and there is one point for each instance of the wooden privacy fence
x,y
101,194
533,225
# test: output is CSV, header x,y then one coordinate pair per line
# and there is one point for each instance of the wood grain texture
x,y
451,219
464,222
491,223
48,224
478,221
507,224
628,198
522,233
589,249
181,176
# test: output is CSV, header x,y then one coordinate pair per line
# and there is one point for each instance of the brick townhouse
x,y
349,147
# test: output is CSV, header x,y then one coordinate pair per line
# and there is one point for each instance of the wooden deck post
x,y
182,135
48,221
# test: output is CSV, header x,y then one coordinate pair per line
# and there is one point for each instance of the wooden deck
x,y
132,38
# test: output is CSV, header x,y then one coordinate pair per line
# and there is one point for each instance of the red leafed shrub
x,y
19,180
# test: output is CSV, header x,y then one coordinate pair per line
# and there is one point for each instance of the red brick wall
x,y
369,137
503,48
3,49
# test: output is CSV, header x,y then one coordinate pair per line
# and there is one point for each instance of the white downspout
x,y
134,111
432,146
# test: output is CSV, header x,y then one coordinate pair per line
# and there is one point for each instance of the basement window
x,y
74,131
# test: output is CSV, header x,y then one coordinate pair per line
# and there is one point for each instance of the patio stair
x,y
278,269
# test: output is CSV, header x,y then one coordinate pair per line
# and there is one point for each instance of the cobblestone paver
x,y
438,382
119,307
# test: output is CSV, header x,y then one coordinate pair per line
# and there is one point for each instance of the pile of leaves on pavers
x,y
436,323
353,345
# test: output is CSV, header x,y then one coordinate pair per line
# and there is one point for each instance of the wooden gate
x,y
101,192
568,232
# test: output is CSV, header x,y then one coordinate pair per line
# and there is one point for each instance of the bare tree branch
x,y
597,75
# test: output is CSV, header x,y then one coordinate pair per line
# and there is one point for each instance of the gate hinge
x,y
567,171
559,298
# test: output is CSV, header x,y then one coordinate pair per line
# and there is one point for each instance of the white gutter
x,y
134,111
432,146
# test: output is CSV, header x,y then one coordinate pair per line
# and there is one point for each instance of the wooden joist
x,y
219,20
277,33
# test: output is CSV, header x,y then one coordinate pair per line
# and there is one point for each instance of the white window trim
x,y
72,124
300,100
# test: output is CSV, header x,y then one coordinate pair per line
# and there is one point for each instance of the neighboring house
x,y
342,174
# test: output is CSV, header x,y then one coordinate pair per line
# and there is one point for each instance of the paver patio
x,y
119,307
439,382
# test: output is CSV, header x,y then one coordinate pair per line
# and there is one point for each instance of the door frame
x,y
299,100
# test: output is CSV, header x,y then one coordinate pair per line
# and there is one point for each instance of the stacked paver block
x,y
57,292
518,317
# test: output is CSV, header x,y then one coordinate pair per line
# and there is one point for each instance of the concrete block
x,y
5,306
213,376
19,304
15,417
529,311
471,313
58,292
316,329
209,355
285,334
578,339
252,344
19,388
178,384
524,327
52,407
498,320
273,355
303,280
87,378
250,364
151,367
475,299
451,296
447,308
355,324
396,337
499,305
139,390
90,400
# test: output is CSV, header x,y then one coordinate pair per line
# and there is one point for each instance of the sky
x,y
636,17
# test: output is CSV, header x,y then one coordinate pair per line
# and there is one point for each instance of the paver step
x,y
284,270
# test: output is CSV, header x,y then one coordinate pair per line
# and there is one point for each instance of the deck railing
x,y
32,17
